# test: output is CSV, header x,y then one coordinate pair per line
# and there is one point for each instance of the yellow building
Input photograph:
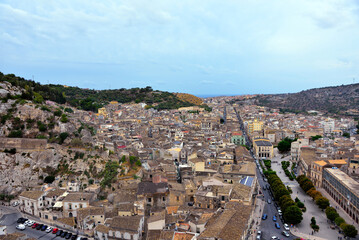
x,y
254,126
102,111
263,148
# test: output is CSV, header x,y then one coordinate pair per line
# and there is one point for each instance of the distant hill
x,y
340,99
189,98
91,100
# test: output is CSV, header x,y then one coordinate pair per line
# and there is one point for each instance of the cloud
x,y
180,43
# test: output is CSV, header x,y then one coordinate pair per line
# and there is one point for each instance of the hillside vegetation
x,y
91,100
189,98
340,100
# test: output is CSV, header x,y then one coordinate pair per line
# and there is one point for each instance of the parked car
x,y
264,217
63,234
279,212
274,219
43,228
259,235
68,235
277,225
21,227
59,233
74,237
29,223
269,201
286,227
55,230
39,226
285,234
48,229
274,238
35,225
14,204
22,220
264,187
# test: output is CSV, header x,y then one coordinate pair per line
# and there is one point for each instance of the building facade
x,y
343,189
263,148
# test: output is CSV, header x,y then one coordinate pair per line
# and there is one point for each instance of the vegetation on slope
x,y
91,100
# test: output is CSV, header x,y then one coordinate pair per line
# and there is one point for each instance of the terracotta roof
x,y
320,163
55,192
90,211
102,228
229,224
78,197
338,161
130,223
183,236
172,209
70,221
153,234
32,194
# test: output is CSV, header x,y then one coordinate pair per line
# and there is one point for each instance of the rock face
x,y
22,170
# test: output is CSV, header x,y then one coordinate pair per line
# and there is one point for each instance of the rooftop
x,y
345,179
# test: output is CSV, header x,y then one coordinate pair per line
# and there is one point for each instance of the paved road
x,y
9,219
267,226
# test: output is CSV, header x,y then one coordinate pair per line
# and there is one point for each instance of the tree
x,y
293,215
38,98
316,137
49,179
307,185
64,118
123,159
63,136
349,230
284,199
133,159
322,202
314,193
346,134
331,213
313,221
285,145
339,220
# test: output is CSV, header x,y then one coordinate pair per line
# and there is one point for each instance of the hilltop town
x,y
131,171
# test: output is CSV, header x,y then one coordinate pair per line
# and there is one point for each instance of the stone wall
x,y
23,143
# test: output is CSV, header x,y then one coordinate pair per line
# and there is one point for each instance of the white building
x,y
31,202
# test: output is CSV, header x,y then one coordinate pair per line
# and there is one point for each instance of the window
x,y
164,198
80,205
149,199
70,206
177,198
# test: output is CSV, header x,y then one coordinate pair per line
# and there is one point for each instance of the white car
x,y
280,212
29,223
286,227
274,238
20,227
48,229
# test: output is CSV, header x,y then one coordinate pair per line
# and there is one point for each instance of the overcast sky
x,y
200,47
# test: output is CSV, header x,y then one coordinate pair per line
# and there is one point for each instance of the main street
x,y
267,227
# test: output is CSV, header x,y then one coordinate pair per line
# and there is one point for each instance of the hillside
x,y
43,141
189,98
342,99
91,100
